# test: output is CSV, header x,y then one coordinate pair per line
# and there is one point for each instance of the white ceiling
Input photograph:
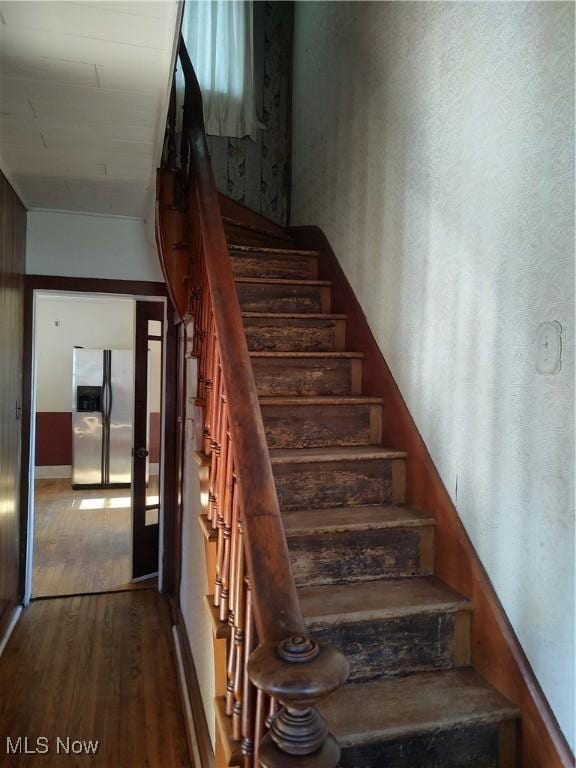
x,y
83,96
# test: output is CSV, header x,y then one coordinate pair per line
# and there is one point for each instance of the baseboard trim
x,y
7,625
188,716
144,578
496,649
197,725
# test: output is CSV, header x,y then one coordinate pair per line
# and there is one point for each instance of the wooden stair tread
x,y
321,400
369,600
420,703
361,518
282,281
310,355
309,455
293,316
269,250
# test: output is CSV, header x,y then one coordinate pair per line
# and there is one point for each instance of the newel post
x,y
298,672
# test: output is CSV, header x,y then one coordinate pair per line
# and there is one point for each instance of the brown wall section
x,y
12,266
53,439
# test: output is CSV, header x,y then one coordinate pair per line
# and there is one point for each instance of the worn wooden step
x,y
388,628
359,518
294,332
307,373
314,422
336,477
279,263
243,233
339,545
450,719
268,295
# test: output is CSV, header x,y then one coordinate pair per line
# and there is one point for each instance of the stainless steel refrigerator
x,y
102,416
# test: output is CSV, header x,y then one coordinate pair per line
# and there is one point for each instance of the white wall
x,y
194,583
84,245
63,322
433,143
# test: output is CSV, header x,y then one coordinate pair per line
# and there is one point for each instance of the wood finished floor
x,y
97,667
81,539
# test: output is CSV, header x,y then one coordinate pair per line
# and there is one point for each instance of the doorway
x,y
92,490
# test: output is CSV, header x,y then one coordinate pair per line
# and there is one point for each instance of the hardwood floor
x,y
81,539
97,667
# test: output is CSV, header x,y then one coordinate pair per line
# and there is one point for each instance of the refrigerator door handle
x,y
106,401
106,411
107,388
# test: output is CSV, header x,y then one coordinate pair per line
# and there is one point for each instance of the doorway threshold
x,y
148,584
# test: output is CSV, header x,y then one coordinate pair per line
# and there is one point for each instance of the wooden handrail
x,y
276,606
288,666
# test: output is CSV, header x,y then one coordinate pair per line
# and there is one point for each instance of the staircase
x,y
363,561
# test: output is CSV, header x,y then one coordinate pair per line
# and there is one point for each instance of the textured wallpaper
x,y
257,173
434,144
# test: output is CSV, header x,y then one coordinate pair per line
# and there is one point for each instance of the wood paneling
x,y
12,266
97,667
496,651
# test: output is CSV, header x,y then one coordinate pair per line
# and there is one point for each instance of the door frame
x,y
137,290
143,538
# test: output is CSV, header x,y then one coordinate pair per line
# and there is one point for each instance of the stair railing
x,y
276,673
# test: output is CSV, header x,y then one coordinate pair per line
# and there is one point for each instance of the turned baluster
x,y
262,709
199,300
220,494
231,666
236,601
202,333
215,450
233,546
226,504
209,373
211,392
249,708
239,639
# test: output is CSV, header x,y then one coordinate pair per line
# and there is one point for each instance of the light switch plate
x,y
549,348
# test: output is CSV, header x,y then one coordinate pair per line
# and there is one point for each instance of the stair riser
x,y
400,646
473,746
283,298
339,483
285,335
282,377
275,267
339,558
318,426
236,235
